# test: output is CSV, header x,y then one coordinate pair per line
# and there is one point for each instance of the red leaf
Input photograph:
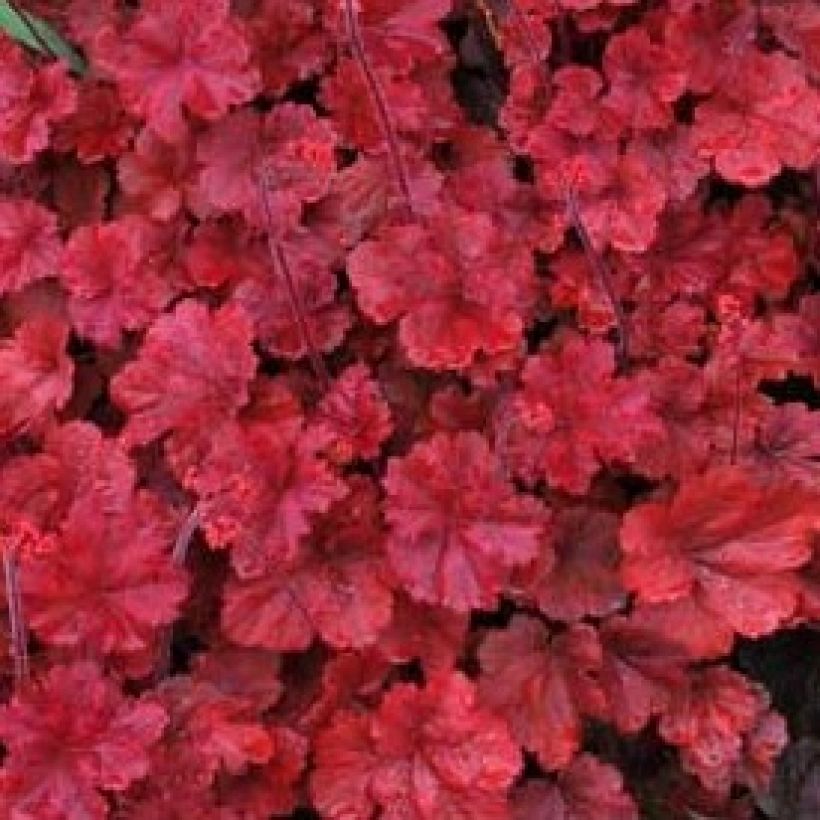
x,y
568,410
796,24
267,300
346,95
75,462
36,373
680,397
336,587
474,298
764,116
673,158
543,686
426,753
457,527
217,253
644,661
576,574
396,33
192,372
644,80
289,42
433,635
31,102
348,680
112,286
91,593
248,674
793,341
762,748
289,150
156,178
356,415
619,198
273,787
785,446
705,256
710,39
726,541
177,54
29,244
260,488
709,720
218,731
68,736
586,790
98,129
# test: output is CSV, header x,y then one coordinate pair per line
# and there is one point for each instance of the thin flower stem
x,y
564,48
184,537
736,415
17,624
280,264
179,557
379,100
604,276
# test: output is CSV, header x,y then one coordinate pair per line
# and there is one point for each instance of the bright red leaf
x,y
763,116
338,587
289,151
426,753
110,584
356,415
111,282
260,488
474,297
36,373
75,462
29,244
286,313
394,33
728,542
456,525
208,733
644,80
98,129
177,57
192,372
156,178
32,101
221,730
568,408
351,349
70,736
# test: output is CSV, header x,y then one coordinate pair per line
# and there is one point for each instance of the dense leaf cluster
x,y
386,417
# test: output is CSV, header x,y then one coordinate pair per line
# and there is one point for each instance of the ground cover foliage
x,y
408,409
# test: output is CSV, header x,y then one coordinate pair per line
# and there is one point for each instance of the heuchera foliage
x,y
398,408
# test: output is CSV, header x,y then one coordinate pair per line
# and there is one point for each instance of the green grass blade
x,y
38,35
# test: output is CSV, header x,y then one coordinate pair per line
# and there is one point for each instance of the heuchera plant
x,y
392,416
